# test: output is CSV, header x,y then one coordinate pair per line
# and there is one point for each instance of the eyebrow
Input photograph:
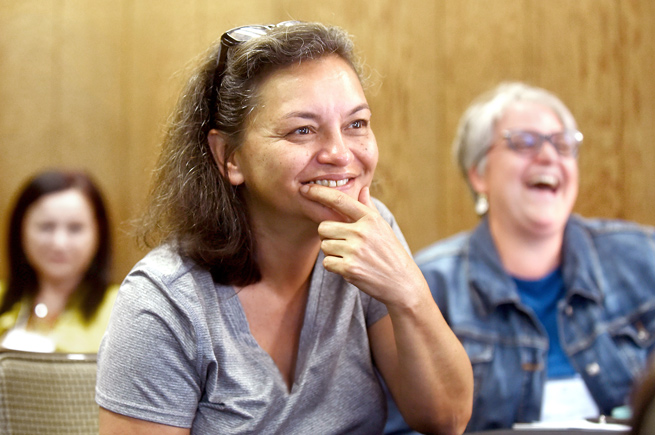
x,y
312,115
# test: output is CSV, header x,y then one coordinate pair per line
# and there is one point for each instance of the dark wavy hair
x,y
191,204
22,277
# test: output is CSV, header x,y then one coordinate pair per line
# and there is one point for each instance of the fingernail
x,y
304,188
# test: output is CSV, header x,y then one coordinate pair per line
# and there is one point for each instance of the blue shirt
x,y
542,296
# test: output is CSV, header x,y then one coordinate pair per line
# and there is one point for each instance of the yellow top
x,y
70,334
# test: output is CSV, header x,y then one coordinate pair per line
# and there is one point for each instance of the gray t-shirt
x,y
178,351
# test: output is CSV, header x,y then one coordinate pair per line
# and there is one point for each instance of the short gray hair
x,y
475,133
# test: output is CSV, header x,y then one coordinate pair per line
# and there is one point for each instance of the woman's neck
x,y
526,255
55,294
286,259
50,302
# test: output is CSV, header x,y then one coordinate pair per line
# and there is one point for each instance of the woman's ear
x,y
477,180
217,143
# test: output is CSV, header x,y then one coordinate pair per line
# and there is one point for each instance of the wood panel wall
x,y
89,83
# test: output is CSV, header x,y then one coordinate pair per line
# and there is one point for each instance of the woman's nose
x,y
60,238
547,151
335,151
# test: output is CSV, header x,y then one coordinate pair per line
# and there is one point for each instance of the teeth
x,y
330,183
545,180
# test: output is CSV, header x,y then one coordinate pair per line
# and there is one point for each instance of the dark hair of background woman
x,y
22,277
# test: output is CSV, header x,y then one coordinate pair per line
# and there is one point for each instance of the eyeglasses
x,y
566,143
237,36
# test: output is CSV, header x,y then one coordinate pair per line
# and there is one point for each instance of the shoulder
x,y
8,318
383,210
610,250
609,227
165,266
164,294
451,247
612,232
166,280
162,261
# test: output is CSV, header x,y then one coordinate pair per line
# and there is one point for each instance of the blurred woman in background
x,y
58,295
555,311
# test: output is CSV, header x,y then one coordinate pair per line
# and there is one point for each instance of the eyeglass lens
x,y
566,143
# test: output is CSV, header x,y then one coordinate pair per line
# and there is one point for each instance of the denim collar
x,y
491,286
581,263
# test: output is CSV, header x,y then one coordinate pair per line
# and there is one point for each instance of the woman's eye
x,y
75,228
302,130
46,227
360,123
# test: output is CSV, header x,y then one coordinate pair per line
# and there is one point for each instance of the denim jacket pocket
x,y
641,329
635,339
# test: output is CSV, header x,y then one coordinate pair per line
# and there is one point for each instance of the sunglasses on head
x,y
237,36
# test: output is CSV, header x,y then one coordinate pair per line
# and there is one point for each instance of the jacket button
x,y
593,369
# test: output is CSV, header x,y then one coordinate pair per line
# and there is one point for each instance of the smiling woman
x,y
556,311
58,296
312,127
277,288
60,235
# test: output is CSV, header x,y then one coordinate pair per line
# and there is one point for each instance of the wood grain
x,y
90,83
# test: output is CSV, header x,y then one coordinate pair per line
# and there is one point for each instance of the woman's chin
x,y
545,225
319,213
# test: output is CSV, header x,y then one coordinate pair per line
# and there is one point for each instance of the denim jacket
x,y
606,319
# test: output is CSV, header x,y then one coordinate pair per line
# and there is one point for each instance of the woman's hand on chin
x,y
365,250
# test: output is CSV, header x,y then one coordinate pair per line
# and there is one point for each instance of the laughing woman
x,y
278,285
556,311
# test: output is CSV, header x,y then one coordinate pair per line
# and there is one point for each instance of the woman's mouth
x,y
330,183
544,181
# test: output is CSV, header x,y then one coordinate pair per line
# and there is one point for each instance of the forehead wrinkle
x,y
314,116
264,99
301,114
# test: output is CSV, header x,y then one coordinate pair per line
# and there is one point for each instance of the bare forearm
x,y
433,376
425,366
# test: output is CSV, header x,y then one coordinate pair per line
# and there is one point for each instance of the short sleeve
x,y
376,311
147,359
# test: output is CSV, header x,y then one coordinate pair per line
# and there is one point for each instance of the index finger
x,y
336,200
